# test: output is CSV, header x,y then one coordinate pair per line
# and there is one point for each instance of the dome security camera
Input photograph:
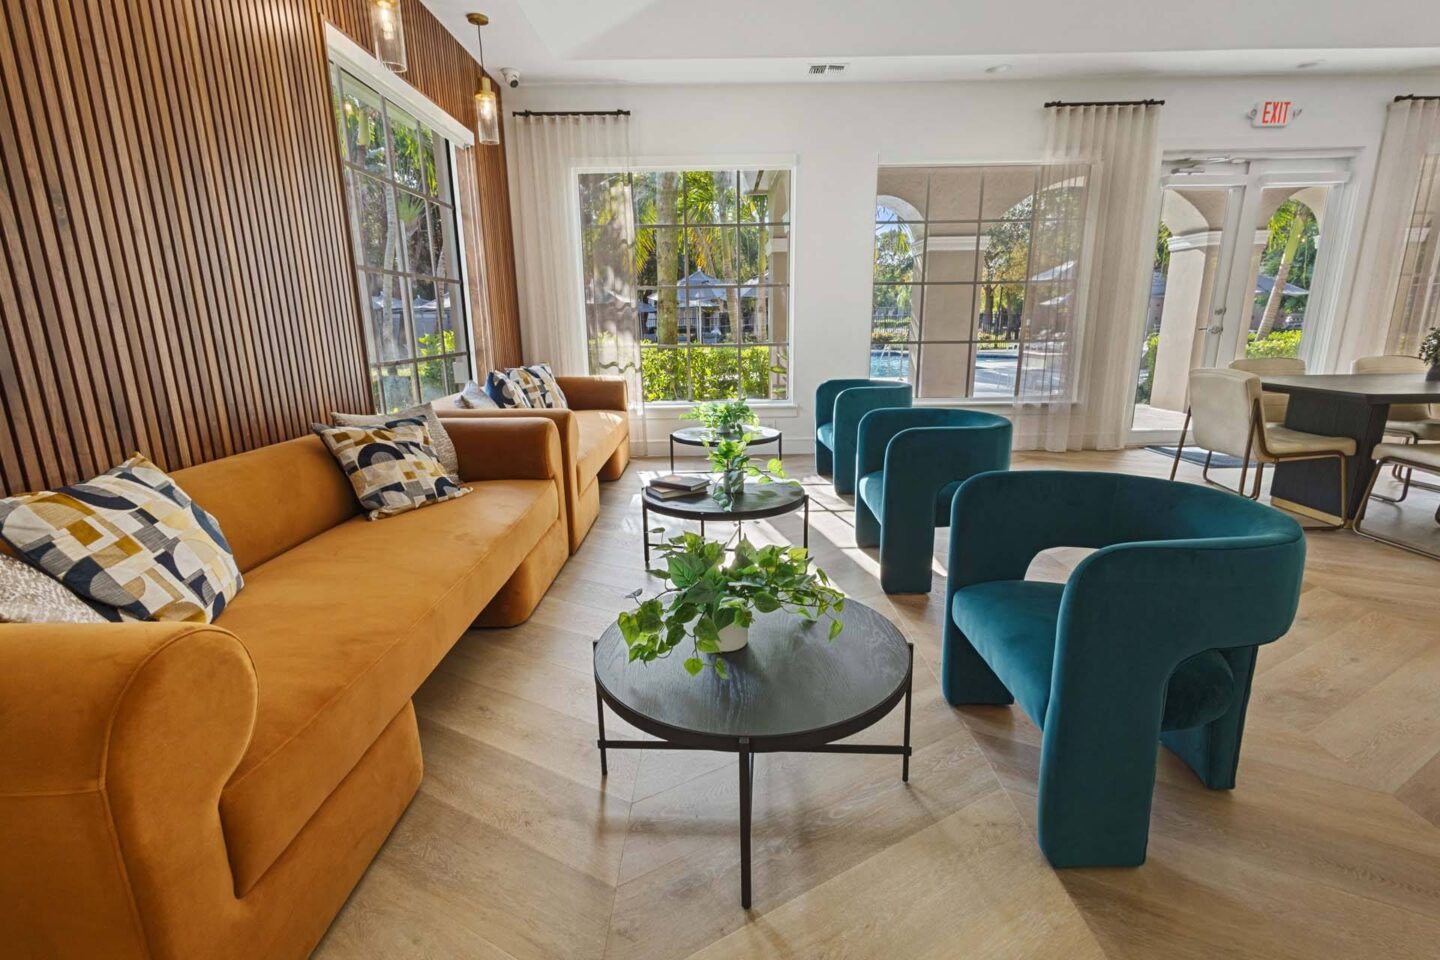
x,y
511,76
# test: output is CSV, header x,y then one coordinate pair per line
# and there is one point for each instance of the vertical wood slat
x,y
176,274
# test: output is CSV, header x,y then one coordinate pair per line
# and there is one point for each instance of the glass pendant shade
x,y
388,29
487,114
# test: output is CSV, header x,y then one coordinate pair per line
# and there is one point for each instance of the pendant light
x,y
388,28
487,105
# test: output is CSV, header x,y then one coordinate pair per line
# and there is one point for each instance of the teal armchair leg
x,y
1212,751
907,544
965,677
867,528
824,460
1097,774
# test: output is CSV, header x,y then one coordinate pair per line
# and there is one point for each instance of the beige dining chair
x,y
1412,421
1410,456
1273,404
1226,411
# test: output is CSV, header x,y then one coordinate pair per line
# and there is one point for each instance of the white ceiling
x,y
775,41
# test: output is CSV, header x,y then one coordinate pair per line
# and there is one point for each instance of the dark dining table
x,y
1353,405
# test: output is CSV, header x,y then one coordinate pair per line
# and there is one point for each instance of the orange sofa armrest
x,y
507,448
563,419
115,743
595,393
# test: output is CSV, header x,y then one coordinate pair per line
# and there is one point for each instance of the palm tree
x,y
1289,221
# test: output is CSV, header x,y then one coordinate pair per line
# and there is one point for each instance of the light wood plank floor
x,y
515,847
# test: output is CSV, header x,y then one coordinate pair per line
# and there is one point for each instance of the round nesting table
x,y
701,436
789,690
759,501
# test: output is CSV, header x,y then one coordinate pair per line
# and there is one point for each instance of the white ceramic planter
x,y
733,637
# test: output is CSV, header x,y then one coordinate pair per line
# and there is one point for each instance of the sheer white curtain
x,y
1111,155
1396,296
545,154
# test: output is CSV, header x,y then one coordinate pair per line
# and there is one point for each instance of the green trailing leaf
x,y
710,587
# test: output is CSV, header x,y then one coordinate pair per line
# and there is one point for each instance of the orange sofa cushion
x,y
600,432
342,629
272,498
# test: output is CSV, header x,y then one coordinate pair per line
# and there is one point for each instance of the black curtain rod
x,y
1416,96
570,113
1107,103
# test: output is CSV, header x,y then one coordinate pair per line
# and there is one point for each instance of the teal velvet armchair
x,y
839,405
909,462
1154,637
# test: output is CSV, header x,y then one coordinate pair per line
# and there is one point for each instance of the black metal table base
x,y
746,748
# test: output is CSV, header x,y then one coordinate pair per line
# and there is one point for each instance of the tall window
x,y
699,270
975,276
402,219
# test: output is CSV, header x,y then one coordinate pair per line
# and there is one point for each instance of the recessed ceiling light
x,y
998,68
1307,64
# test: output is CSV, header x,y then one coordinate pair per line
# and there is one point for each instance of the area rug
x,y
1195,455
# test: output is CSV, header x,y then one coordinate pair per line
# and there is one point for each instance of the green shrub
x,y
710,373
1284,343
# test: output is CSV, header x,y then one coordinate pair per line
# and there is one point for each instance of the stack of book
x,y
676,485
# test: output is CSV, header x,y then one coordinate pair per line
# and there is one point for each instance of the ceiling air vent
x,y
820,69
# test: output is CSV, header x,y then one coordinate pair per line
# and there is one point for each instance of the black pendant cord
x,y
570,113
1106,103
1416,96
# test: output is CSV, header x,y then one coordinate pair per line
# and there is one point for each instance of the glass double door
x,y
1242,268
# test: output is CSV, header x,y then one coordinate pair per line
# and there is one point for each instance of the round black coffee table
x,y
759,501
789,689
700,436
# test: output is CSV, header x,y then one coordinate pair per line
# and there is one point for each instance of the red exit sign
x,y
1273,113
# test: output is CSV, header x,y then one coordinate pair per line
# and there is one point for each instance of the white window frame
x,y
356,60
667,409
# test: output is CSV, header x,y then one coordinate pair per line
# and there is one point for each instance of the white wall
x,y
837,135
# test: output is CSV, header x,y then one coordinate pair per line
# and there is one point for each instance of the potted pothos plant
x,y
724,418
1430,353
713,593
731,463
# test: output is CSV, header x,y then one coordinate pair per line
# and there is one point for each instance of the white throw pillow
x,y
28,595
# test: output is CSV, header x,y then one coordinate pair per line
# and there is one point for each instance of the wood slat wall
x,y
176,275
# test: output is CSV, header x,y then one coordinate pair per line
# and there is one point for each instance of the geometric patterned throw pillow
x,y
392,468
506,391
129,540
533,386
439,439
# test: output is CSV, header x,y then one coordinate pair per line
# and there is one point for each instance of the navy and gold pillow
x,y
129,540
534,386
393,469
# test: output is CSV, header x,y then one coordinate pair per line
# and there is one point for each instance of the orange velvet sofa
x,y
180,791
594,441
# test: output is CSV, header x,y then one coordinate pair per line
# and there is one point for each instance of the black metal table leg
x,y
909,689
645,528
600,723
672,454
747,776
805,534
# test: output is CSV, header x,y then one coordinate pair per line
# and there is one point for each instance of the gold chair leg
x,y
1358,525
1259,473
1344,495
1180,447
